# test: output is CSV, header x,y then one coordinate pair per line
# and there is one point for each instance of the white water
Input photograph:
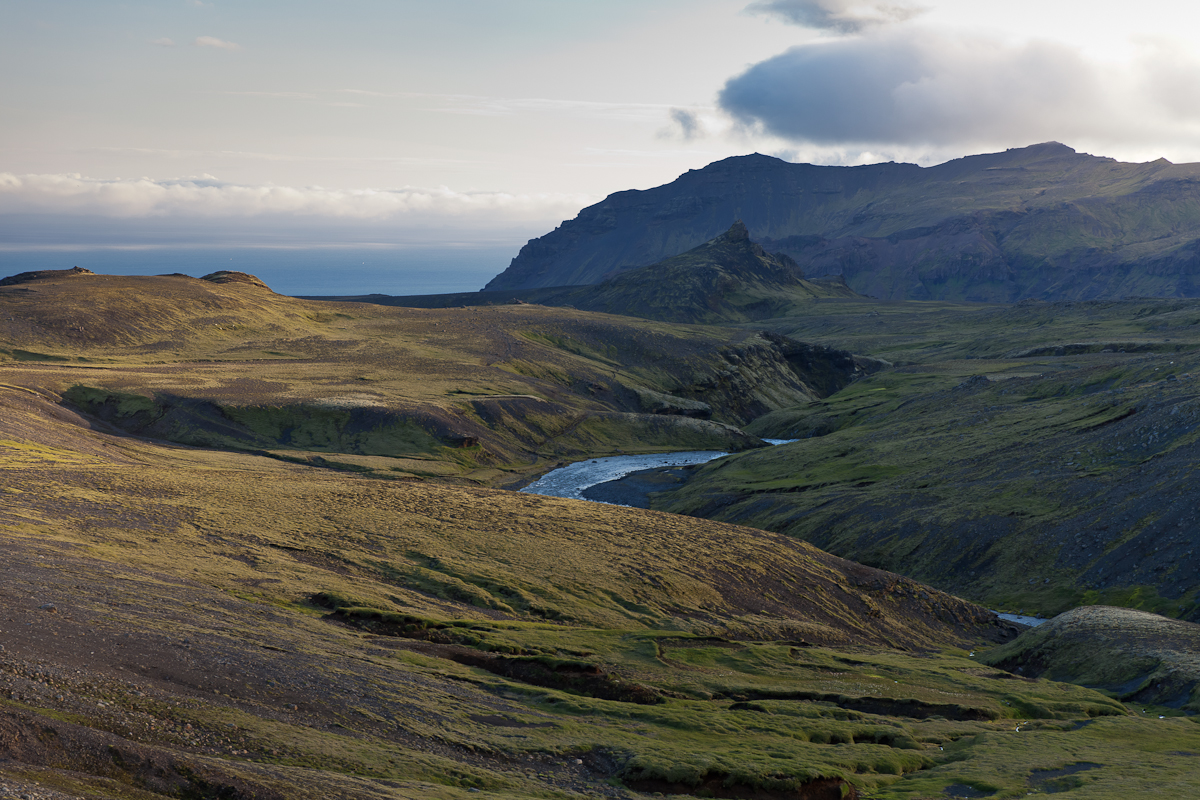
x,y
571,480
1032,622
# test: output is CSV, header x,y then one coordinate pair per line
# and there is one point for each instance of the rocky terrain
x,y
1036,222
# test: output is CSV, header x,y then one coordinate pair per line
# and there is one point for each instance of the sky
x,y
373,123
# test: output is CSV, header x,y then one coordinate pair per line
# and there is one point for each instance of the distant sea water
x,y
402,270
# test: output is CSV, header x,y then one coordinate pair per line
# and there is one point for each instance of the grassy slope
x,y
1137,656
204,623
1007,458
185,637
486,394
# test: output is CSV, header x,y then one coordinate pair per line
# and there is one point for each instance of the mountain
x,y
1036,222
728,279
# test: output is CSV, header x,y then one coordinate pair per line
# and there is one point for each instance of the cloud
x,y
687,125
163,42
212,41
207,197
936,89
842,16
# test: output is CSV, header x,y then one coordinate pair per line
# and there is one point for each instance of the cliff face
x,y
1040,221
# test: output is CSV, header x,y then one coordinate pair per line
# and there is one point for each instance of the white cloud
x,y
163,42
207,197
935,90
212,41
842,16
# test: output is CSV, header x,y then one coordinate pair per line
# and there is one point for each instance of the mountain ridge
x,y
1041,221
726,280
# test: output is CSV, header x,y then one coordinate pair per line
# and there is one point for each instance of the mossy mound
x,y
44,274
232,276
1138,657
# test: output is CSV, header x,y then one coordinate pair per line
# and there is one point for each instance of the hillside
x,y
193,622
728,279
1035,222
1032,457
487,395
1138,657
196,623
250,551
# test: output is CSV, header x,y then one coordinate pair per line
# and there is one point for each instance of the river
x,y
571,480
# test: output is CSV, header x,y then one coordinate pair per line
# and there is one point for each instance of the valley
x,y
257,546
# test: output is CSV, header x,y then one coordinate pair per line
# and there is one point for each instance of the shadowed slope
x,y
726,280
1041,221
1139,657
1038,456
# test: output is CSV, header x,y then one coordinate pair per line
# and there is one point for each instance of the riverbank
x,y
634,489
626,480
574,480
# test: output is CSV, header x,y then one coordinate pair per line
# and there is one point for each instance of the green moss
x,y
122,404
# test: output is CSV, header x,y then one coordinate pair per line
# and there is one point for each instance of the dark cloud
x,y
930,89
687,124
843,16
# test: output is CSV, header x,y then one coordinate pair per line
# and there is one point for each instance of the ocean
x,y
394,270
